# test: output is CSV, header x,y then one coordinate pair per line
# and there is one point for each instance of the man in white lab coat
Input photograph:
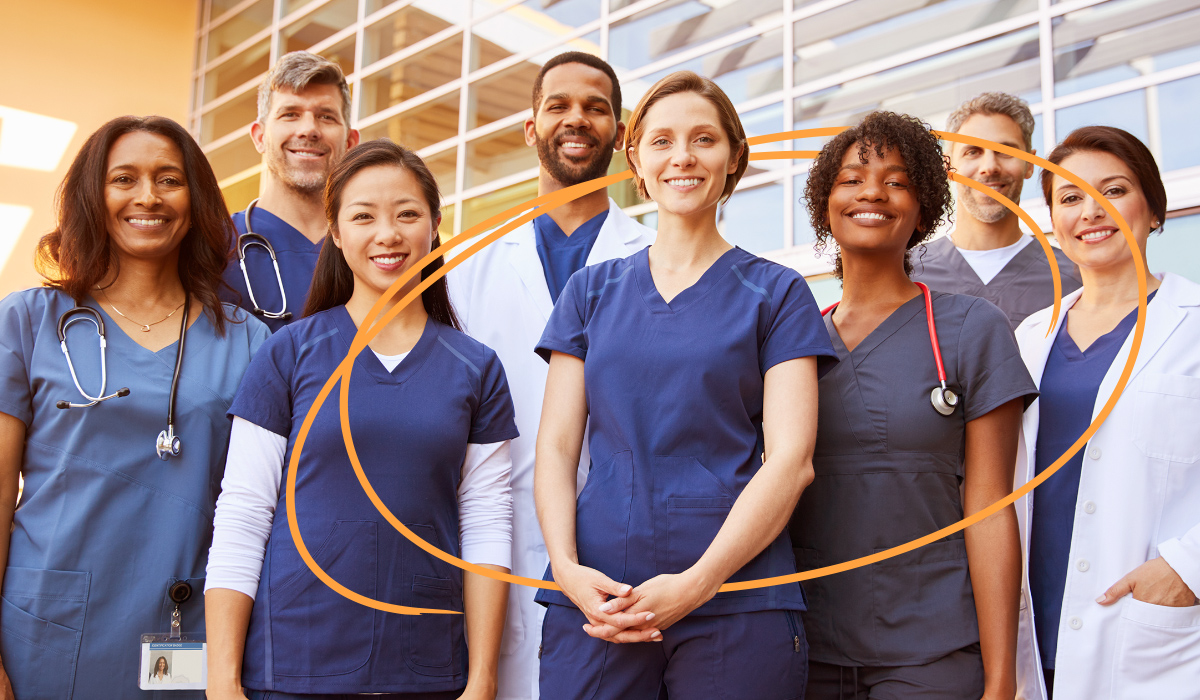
x,y
504,295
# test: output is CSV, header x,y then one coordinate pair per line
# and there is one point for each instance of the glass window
x,y
1175,249
233,158
1127,111
290,6
1116,40
319,25
802,230
413,76
220,7
826,289
530,26
482,207
497,155
239,28
503,93
236,71
763,121
342,53
661,31
404,28
229,117
240,193
753,219
1178,105
446,229
444,166
749,69
424,125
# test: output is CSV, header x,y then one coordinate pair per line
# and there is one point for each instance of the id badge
x,y
179,663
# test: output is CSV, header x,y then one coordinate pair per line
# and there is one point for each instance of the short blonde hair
x,y
681,82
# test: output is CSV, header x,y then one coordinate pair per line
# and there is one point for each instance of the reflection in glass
x,y
1126,111
236,71
763,121
446,229
342,53
220,7
413,76
1179,104
290,6
240,193
802,230
319,25
408,26
753,219
497,155
238,28
529,26
503,93
424,125
661,31
229,117
1174,250
444,166
482,207
233,158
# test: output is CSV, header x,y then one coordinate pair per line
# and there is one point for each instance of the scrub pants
x,y
955,676
742,656
276,695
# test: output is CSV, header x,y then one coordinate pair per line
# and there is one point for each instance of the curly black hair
x,y
921,151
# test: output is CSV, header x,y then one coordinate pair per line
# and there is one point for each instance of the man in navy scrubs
x,y
988,255
504,295
302,131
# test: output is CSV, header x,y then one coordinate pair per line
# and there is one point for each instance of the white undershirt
x,y
988,263
250,492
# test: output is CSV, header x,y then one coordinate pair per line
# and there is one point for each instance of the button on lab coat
x,y
1139,498
501,297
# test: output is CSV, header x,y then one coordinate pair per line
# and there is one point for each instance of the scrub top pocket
x,y
41,620
929,585
1158,651
431,640
695,505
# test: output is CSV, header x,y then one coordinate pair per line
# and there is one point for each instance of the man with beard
x,y
987,255
504,295
302,131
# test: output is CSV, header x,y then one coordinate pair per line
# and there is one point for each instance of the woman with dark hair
x,y
1113,538
104,528
161,673
431,417
892,458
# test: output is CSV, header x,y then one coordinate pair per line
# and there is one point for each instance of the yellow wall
x,y
84,61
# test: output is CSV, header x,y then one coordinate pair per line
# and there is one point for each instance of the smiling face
x,y
161,666
575,130
1002,172
683,155
146,194
873,208
384,226
304,136
1087,234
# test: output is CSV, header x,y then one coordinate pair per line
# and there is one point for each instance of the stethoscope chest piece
x,y
168,444
944,400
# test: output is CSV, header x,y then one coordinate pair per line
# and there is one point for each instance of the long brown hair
x,y
77,254
333,282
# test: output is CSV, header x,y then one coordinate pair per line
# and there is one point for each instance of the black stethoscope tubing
x,y
244,241
943,399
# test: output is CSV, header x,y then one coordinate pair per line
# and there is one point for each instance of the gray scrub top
x,y
1022,287
888,470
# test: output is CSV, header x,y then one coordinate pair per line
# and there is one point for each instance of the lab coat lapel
x,y
614,238
523,256
1035,351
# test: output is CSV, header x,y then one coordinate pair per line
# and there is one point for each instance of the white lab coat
x,y
1139,498
501,297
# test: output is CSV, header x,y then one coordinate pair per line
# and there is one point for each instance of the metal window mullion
x,y
464,109
1121,87
356,82
276,10
1046,64
524,56
705,49
214,22
410,51
604,26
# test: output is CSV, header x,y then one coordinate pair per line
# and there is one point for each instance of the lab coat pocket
x,y
431,639
1157,652
923,602
602,516
697,504
1168,406
41,620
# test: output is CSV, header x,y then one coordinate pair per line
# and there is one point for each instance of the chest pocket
x,y
1166,409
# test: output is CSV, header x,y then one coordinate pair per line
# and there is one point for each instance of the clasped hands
x,y
620,613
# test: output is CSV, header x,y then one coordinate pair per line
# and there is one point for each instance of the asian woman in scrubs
x,y
695,365
431,417
940,621
1113,537
104,527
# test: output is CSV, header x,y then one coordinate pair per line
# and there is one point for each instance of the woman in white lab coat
x,y
1112,540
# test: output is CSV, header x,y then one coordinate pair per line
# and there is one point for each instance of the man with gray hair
x,y
302,131
987,255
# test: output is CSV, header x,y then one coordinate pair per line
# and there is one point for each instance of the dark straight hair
x,y
333,282
77,254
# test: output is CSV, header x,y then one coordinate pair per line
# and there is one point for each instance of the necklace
x,y
144,327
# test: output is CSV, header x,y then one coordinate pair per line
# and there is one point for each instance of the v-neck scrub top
x,y
563,255
104,527
888,470
675,397
411,427
297,258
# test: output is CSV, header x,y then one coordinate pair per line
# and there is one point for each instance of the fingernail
x,y
607,607
655,634
1102,598
625,589
649,617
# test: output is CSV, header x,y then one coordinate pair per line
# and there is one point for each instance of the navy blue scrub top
x,y
563,255
888,470
1069,387
674,395
297,258
411,427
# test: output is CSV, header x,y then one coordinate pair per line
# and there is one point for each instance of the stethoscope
x,y
944,400
250,238
168,444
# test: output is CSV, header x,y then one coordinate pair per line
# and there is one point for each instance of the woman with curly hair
x,y
894,463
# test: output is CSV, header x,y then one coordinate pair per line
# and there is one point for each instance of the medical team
x,y
721,427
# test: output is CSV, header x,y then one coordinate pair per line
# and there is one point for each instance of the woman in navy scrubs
x,y
940,621
431,416
696,364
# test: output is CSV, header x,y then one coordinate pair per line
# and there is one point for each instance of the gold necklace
x,y
144,327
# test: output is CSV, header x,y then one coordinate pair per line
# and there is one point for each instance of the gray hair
x,y
296,71
1002,103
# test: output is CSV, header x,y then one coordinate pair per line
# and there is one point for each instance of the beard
x,y
985,209
305,181
567,170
